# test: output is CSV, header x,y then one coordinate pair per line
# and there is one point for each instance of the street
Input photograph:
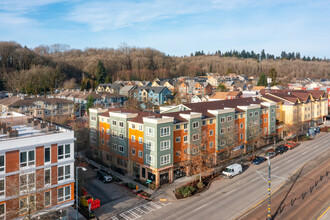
x,y
230,198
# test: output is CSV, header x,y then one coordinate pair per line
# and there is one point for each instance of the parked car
x,y
258,160
103,176
270,154
281,149
291,145
232,170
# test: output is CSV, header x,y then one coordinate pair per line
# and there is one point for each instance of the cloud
x,y
25,6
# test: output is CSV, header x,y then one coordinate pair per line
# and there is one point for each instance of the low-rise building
x,y
36,168
151,146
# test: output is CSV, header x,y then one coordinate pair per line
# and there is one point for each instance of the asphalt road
x,y
230,198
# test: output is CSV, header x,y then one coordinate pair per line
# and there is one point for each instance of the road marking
x,y
290,160
133,213
199,207
114,218
254,179
140,210
323,213
304,153
125,216
154,204
275,168
147,207
231,191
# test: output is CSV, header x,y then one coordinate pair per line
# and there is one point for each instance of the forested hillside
x,y
47,67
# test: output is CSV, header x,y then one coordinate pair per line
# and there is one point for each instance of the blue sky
x,y
176,27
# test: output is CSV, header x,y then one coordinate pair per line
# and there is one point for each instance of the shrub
x,y
192,189
186,192
200,185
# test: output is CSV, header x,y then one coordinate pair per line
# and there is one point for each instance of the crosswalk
x,y
140,210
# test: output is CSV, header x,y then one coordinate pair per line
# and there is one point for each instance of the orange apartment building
x,y
36,168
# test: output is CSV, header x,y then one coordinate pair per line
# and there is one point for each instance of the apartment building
x,y
151,146
39,107
36,168
298,106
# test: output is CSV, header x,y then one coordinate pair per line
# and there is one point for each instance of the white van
x,y
232,170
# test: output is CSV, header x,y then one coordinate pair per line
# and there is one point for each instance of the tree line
x,y
44,68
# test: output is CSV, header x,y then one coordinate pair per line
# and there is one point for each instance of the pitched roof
x,y
234,93
258,88
18,101
219,95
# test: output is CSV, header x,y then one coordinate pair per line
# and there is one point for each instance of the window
x,y
250,124
256,113
27,158
165,159
250,114
121,124
165,145
2,163
108,143
241,125
211,144
211,132
165,131
273,110
133,151
47,177
211,121
140,140
63,173
185,126
265,120
177,139
204,122
149,159
273,119
185,138
140,154
121,136
222,142
177,127
260,120
114,146
64,194
93,118
102,141
150,145
177,153
2,211
195,124
25,202
256,122
150,131
2,187
121,149
114,134
265,130
102,130
114,123
140,127
195,137
63,151
47,198
108,131
229,118
27,181
228,129
222,130
222,119
133,126
47,154
241,136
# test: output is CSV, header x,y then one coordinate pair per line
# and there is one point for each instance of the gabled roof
x,y
258,88
234,93
219,95
18,101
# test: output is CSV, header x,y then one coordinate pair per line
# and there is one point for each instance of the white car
x,y
232,170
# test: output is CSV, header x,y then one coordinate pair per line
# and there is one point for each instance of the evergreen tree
x,y
90,103
262,80
273,75
263,55
100,73
109,80
222,88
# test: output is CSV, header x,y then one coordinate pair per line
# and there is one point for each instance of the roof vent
x,y
289,93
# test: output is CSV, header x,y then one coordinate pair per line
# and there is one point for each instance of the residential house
x,y
112,88
153,95
151,146
216,96
195,88
36,168
128,90
160,82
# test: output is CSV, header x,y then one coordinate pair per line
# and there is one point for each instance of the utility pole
x,y
269,214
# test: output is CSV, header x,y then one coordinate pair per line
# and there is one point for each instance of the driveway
x,y
113,197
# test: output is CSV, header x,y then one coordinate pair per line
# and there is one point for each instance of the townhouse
x,y
194,88
36,168
160,82
40,107
153,95
152,146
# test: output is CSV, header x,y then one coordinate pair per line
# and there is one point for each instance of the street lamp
x,y
269,214
269,81
77,198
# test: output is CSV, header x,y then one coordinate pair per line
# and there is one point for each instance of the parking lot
x,y
113,197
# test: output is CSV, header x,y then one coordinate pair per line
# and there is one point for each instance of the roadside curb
x,y
144,197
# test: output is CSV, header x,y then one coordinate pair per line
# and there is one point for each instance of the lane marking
x,y
231,191
154,204
125,216
199,207
323,213
134,214
304,153
275,168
